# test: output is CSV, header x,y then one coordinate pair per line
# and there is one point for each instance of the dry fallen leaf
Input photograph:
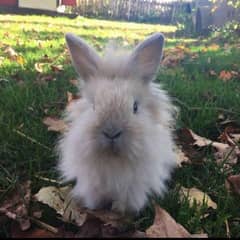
x,y
71,97
57,68
74,82
212,47
233,183
33,232
11,53
39,67
20,60
165,226
195,195
234,73
172,57
223,152
181,157
55,124
15,206
91,223
225,75
60,199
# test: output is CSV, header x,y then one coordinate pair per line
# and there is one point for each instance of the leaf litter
x,y
55,124
16,205
194,195
226,151
76,221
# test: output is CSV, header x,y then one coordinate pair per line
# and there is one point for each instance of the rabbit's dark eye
x,y
135,107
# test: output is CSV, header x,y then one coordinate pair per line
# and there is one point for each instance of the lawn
x,y
30,92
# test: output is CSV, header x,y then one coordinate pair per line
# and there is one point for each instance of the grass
x,y
23,106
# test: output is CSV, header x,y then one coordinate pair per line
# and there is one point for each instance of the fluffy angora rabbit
x,y
119,146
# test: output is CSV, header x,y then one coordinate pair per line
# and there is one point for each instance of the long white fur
x,y
145,155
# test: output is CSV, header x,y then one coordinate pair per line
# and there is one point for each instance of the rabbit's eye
x,y
135,107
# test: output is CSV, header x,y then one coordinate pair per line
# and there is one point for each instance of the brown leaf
x,y
61,200
230,135
225,75
55,124
43,79
39,67
186,140
74,82
222,151
172,57
34,232
15,206
165,226
71,97
57,68
11,53
195,195
235,137
234,73
233,183
91,223
181,157
212,47
230,156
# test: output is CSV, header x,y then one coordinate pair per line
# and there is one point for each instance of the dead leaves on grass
x,y
172,57
225,76
194,195
16,205
165,226
225,152
233,183
55,124
84,222
13,55
104,223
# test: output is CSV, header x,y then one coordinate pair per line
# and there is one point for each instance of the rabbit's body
x,y
119,146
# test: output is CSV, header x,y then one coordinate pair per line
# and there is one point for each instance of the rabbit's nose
x,y
114,134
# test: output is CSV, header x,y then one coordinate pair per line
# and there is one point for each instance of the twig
x,y
58,183
206,108
47,179
31,139
227,229
44,225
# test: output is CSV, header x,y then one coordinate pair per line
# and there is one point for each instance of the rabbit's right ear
x,y
84,58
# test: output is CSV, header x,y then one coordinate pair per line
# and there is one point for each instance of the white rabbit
x,y
119,145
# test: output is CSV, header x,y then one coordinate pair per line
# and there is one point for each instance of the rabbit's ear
x,y
84,58
146,57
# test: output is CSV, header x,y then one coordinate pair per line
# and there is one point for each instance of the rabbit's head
x,y
123,109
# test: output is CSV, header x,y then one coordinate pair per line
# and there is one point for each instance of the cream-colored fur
x,y
126,171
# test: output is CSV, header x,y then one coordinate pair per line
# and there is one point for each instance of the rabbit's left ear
x,y
84,58
146,57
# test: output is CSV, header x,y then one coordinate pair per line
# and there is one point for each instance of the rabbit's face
x,y
117,115
118,90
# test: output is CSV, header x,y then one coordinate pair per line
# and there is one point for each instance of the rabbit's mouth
x,y
111,145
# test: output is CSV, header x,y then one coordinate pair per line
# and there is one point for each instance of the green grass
x,y
23,107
